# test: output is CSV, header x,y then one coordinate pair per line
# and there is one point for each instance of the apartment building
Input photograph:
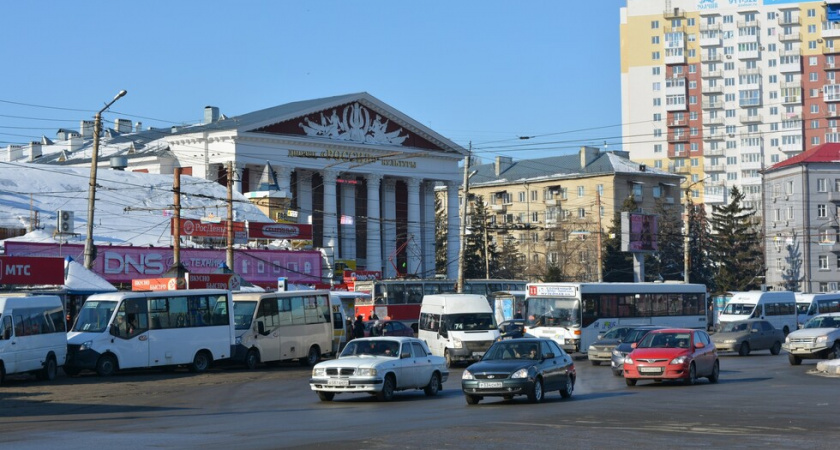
x,y
556,208
720,90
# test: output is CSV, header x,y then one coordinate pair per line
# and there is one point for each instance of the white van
x,y
459,327
33,336
809,305
777,307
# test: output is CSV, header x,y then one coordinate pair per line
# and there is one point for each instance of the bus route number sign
x,y
559,291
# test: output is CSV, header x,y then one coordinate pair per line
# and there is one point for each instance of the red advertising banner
x,y
121,264
197,228
31,270
291,231
155,284
227,281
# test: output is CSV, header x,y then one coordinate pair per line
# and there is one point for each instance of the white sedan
x,y
380,366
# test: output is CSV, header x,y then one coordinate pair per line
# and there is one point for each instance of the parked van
x,y
33,336
459,327
777,307
809,305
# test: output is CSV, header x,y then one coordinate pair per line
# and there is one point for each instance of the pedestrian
x,y
359,327
373,316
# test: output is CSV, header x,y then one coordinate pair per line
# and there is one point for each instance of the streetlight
x,y
97,129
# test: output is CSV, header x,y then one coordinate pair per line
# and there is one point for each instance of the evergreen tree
x,y
552,274
700,264
441,235
618,265
792,276
509,265
476,253
737,246
668,262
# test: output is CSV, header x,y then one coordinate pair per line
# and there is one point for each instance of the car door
x,y
423,366
550,367
701,355
758,337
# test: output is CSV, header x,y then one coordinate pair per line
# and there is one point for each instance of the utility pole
x,y
229,230
600,254
687,240
97,129
462,243
486,244
176,225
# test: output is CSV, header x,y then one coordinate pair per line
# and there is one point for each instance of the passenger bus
x,y
573,314
809,305
126,330
401,299
282,326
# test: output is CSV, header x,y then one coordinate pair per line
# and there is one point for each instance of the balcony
x,y
789,21
498,208
710,27
831,66
675,13
553,202
677,137
714,167
711,41
791,148
713,152
751,165
713,89
830,29
743,71
711,58
678,123
792,52
749,135
675,59
749,54
833,196
712,105
712,73
790,37
716,136
791,65
832,50
749,23
751,118
713,120
791,99
832,113
747,39
679,169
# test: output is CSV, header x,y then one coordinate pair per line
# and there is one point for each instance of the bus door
x,y
130,331
268,328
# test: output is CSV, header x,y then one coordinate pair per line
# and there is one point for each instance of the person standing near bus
x,y
359,327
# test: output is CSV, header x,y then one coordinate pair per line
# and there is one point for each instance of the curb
x,y
828,368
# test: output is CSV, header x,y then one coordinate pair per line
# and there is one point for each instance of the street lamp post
x,y
97,129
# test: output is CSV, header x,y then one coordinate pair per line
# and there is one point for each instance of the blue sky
x,y
485,72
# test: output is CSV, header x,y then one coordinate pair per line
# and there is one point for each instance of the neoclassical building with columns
x,y
361,172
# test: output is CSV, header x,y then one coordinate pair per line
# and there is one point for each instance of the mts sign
x,y
31,270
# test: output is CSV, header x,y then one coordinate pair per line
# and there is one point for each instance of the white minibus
x,y
32,336
809,305
459,327
777,307
343,305
281,326
124,330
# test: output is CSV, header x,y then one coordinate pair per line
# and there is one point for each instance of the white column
x,y
389,226
374,233
453,236
284,179
414,255
330,232
304,193
428,227
238,174
348,231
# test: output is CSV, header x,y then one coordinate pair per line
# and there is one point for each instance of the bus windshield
x,y
94,316
739,309
554,312
469,322
243,312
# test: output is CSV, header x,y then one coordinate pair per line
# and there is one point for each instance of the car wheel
x,y
595,363
433,387
567,390
715,376
617,373
387,392
537,394
786,330
326,396
50,369
201,362
71,372
312,357
744,349
794,360
692,375
472,399
448,358
835,350
252,358
776,348
106,366
630,381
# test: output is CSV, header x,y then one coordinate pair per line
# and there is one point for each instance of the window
x,y
522,197
823,262
822,185
581,213
654,24
654,55
580,191
654,40
822,211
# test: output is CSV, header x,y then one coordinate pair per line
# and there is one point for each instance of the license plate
x,y
650,370
490,384
478,354
338,382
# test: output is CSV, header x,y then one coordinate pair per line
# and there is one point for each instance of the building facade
x,y
360,172
556,209
801,226
719,90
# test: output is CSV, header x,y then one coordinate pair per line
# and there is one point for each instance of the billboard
x,y
270,230
212,229
639,233
24,270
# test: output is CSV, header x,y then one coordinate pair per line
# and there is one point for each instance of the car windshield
x,y
371,347
823,322
513,349
617,333
734,327
470,322
635,335
243,312
94,316
665,340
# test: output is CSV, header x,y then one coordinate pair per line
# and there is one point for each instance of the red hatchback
x,y
673,354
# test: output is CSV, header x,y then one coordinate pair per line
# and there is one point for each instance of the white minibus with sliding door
x,y
777,307
809,305
124,330
32,336
281,326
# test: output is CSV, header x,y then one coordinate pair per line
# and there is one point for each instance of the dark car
x,y
626,346
749,335
387,328
513,329
601,350
526,366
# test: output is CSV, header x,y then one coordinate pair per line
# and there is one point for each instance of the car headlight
x,y
366,372
521,373
592,348
239,340
85,346
319,372
679,360
821,339
456,343
467,375
730,341
617,353
787,339
628,360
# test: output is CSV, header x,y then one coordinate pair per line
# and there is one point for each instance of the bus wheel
x,y
106,366
201,362
50,369
312,357
251,359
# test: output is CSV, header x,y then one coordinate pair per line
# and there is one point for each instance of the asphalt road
x,y
760,402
